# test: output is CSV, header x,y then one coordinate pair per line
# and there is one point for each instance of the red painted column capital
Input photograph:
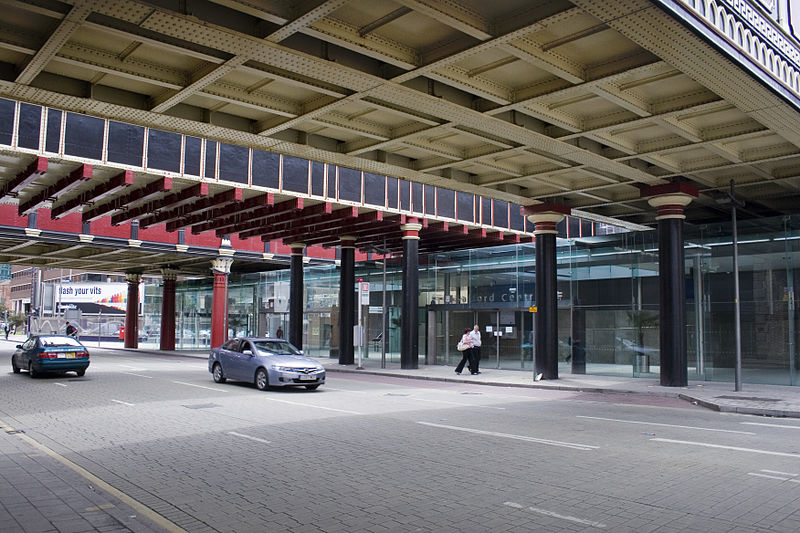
x,y
545,217
670,199
411,228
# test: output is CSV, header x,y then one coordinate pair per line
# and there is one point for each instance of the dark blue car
x,y
50,353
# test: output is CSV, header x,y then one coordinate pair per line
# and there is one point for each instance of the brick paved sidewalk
x,y
41,494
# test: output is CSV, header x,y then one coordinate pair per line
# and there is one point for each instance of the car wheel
x,y
32,371
262,379
81,372
219,377
312,387
14,366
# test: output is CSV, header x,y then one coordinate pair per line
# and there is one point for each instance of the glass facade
x,y
607,304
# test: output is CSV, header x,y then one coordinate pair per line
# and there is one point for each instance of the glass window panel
x,y
125,143
30,126
84,136
234,162
53,134
164,150
295,174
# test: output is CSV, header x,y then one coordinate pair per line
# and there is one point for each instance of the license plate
x,y
305,377
70,355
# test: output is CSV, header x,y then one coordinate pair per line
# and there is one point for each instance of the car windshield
x,y
48,342
276,347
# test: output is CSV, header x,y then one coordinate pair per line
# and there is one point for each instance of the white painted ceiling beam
x,y
69,25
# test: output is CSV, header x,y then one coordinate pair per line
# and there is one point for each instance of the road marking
x,y
346,390
773,474
666,425
60,384
553,514
136,505
314,406
242,435
770,425
139,375
100,507
780,473
733,448
123,403
198,386
573,445
458,403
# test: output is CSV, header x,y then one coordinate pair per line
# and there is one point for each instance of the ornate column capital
x,y
347,241
411,229
545,216
297,247
133,277
670,198
221,265
168,274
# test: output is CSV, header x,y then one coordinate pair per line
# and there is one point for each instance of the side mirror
x,y
301,352
247,352
19,346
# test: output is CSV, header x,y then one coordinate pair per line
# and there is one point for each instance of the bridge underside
x,y
276,122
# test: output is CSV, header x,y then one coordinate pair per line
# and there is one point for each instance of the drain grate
x,y
202,406
748,398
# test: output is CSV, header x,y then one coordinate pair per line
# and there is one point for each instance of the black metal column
x,y
296,296
672,292
546,354
670,199
409,334
346,303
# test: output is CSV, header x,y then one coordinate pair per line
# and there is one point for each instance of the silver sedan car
x,y
267,362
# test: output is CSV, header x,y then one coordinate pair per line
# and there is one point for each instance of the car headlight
x,y
282,368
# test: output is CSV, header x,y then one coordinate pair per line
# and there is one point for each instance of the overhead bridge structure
x,y
156,136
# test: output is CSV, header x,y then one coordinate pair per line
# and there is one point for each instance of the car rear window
x,y
48,342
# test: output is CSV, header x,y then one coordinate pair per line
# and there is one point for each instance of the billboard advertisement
x,y
94,298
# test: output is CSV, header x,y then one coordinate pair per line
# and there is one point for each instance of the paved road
x,y
148,443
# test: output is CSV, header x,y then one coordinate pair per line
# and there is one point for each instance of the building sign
x,y
92,298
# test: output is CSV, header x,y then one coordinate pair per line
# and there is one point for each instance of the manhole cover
x,y
201,406
748,398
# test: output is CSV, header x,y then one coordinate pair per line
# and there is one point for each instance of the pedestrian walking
x,y
465,347
6,329
475,335
72,331
279,333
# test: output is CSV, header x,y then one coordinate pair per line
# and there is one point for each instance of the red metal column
x,y
168,310
132,311
221,267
